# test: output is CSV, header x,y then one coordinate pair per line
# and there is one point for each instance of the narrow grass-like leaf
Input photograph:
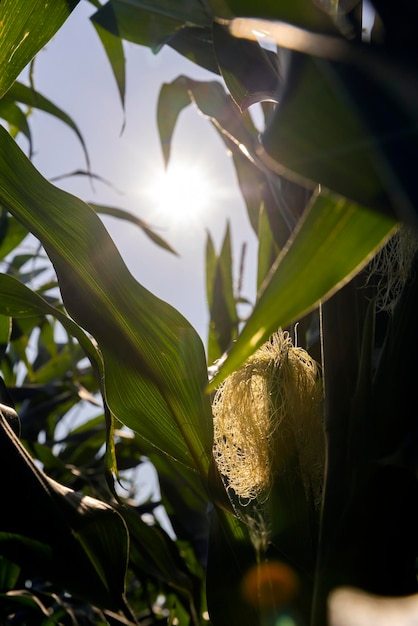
x,y
130,217
16,119
26,95
18,301
334,240
173,98
213,102
12,233
223,325
155,366
281,199
27,25
268,249
113,47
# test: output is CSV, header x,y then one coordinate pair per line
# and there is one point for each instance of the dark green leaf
x,y
155,367
268,249
195,43
334,240
12,234
26,95
73,540
17,120
130,217
223,325
26,27
9,574
303,13
326,142
250,72
358,136
113,47
154,553
212,101
149,24
19,301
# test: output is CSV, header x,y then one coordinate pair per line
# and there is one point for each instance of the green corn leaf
x,y
71,539
268,249
155,366
213,102
12,233
282,200
113,47
18,301
9,574
195,43
5,332
16,119
358,135
334,240
26,95
153,553
250,72
236,130
327,142
150,24
173,98
130,217
27,25
223,325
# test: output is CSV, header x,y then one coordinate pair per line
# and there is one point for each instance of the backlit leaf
x,y
26,95
155,366
130,217
333,241
26,26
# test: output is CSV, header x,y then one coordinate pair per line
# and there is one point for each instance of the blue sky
x,y
74,73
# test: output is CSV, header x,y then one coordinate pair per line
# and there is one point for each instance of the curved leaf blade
x,y
251,73
130,217
333,241
26,95
113,48
72,539
26,27
17,300
223,326
236,129
155,366
150,24
17,120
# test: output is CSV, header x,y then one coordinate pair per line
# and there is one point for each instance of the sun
x,y
181,193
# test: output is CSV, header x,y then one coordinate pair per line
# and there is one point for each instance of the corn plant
x,y
287,472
